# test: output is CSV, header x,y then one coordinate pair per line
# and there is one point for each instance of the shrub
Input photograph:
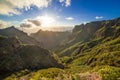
x,y
108,72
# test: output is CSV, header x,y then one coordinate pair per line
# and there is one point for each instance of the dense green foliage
x,y
108,72
91,52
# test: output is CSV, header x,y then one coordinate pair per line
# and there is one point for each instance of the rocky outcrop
x,y
111,28
85,32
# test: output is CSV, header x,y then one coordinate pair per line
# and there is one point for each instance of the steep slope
x,y
50,39
90,32
91,52
93,48
105,53
15,56
23,37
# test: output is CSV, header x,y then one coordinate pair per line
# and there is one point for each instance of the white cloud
x,y
98,17
61,0
4,24
69,18
40,21
66,2
10,7
6,8
46,20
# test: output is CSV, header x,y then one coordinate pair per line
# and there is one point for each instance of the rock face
x,y
50,39
104,30
97,29
110,28
14,56
23,37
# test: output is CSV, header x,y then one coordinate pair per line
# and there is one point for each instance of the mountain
x,y
50,39
23,37
90,52
93,33
93,50
15,56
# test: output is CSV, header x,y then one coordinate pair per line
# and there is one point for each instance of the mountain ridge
x,y
90,31
50,39
23,37
92,49
16,56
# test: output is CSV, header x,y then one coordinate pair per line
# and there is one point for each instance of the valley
x,y
90,52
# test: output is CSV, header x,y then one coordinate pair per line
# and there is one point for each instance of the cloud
x,y
98,17
66,2
10,7
69,18
46,20
4,24
35,22
7,8
26,25
39,21
58,17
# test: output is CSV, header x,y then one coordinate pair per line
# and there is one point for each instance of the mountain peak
x,y
23,37
11,28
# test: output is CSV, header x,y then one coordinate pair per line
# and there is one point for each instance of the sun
x,y
46,20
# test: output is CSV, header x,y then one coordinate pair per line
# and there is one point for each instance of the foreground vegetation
x,y
97,73
91,52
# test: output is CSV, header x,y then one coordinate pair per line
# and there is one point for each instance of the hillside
x,y
93,44
15,56
50,39
93,33
23,37
90,52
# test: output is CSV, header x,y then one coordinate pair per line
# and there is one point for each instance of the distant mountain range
x,y
18,51
92,48
58,28
50,39
23,37
95,43
46,39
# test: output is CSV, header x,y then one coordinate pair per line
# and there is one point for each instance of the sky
x,y
46,13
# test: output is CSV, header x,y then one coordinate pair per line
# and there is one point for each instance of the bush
x,y
108,72
47,73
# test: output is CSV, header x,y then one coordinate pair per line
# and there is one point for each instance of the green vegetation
x,y
75,73
108,72
16,57
44,74
2,37
91,52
